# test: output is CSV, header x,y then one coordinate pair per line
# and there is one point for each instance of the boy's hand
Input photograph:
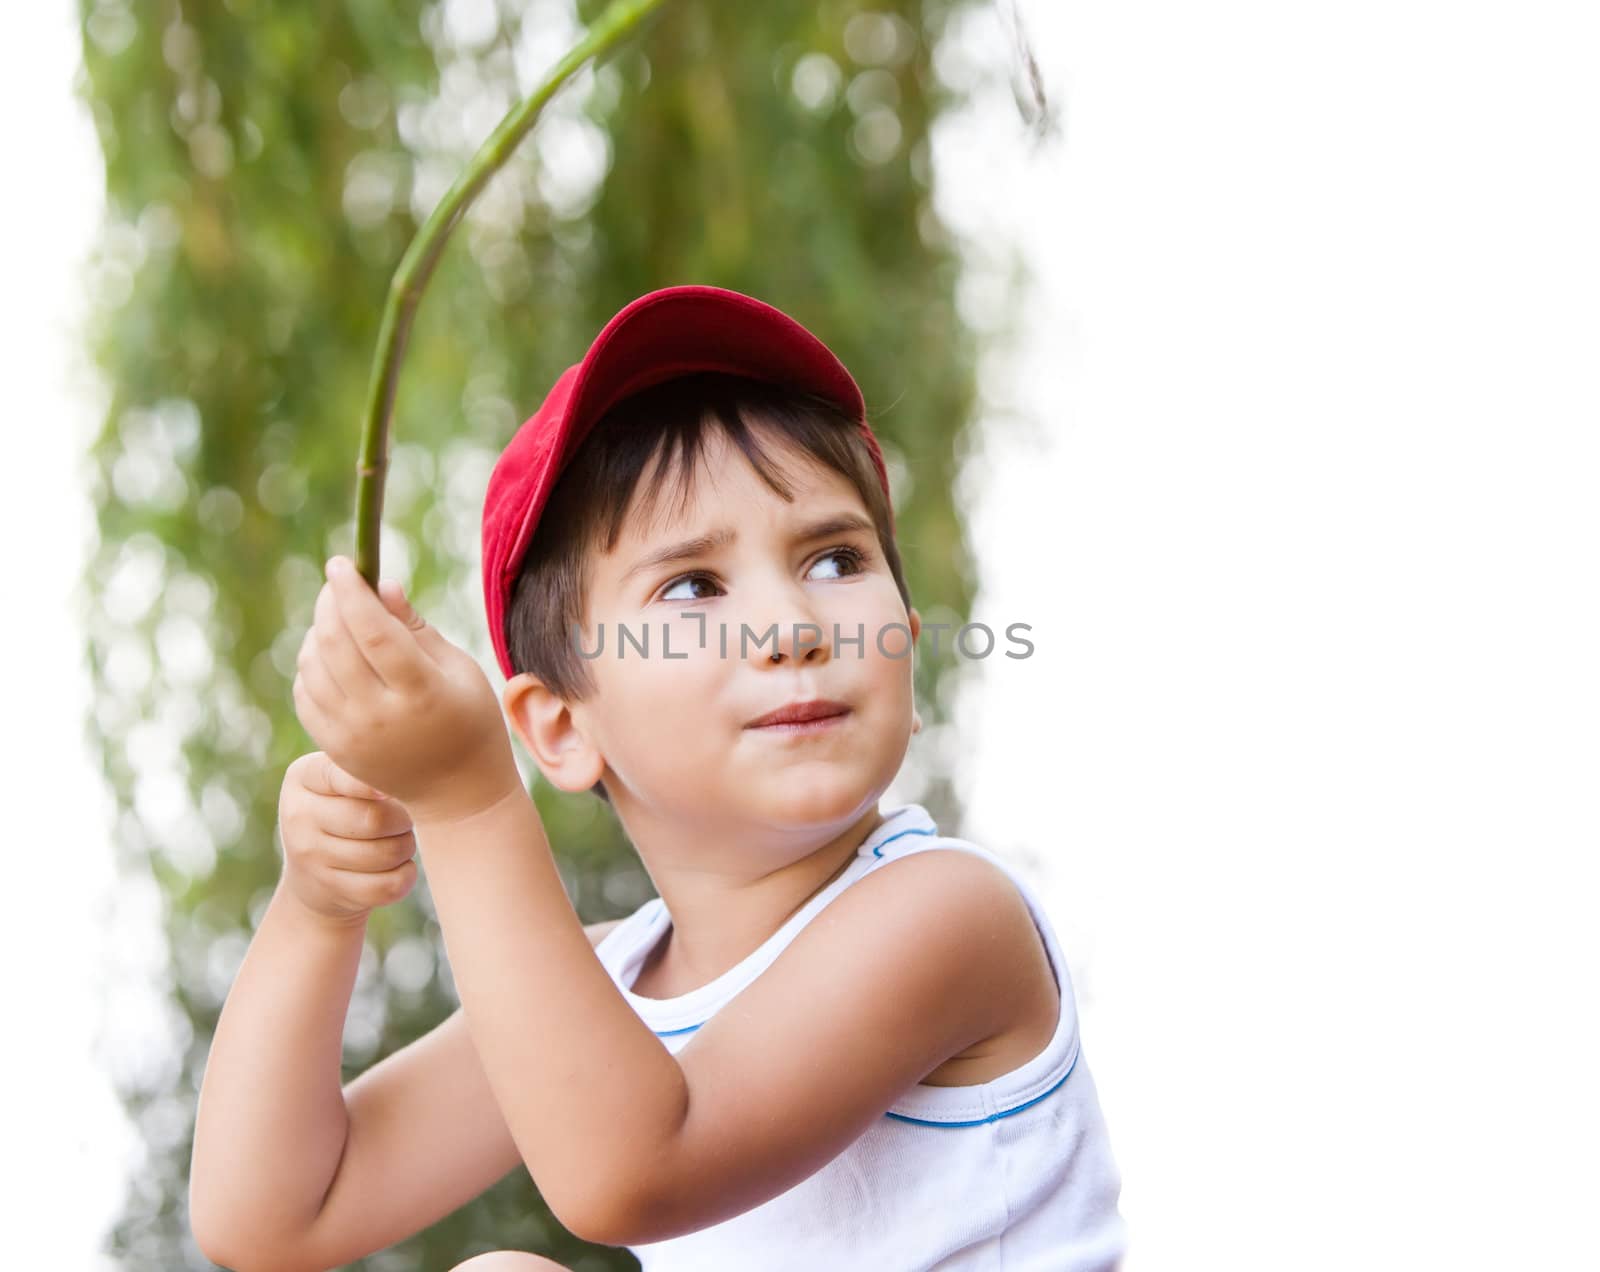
x,y
347,848
397,706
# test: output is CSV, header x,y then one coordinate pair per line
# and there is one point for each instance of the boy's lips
x,y
801,713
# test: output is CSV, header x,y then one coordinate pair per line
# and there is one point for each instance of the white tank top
x,y
1014,1174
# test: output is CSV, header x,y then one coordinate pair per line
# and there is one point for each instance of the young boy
x,y
838,1038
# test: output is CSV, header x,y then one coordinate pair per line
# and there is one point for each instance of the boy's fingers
x,y
327,778
332,641
383,641
312,714
365,820
383,887
394,600
311,674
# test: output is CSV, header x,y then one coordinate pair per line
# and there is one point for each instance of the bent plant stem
x,y
416,267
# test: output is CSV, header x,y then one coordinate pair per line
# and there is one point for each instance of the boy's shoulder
x,y
944,867
932,908
945,885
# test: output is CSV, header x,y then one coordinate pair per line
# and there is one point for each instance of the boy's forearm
x,y
271,1124
589,1094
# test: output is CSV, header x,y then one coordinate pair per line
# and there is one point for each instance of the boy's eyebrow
x,y
843,523
679,551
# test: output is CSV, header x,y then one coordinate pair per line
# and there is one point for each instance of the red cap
x,y
666,333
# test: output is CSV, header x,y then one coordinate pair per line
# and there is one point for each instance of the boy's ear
x,y
915,624
546,726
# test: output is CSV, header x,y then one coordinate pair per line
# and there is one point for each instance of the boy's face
x,y
674,734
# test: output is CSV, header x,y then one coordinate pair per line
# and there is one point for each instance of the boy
x,y
825,1043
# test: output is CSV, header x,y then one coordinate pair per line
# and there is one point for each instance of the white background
x,y
1294,476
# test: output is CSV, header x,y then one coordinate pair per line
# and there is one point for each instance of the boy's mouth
x,y
802,717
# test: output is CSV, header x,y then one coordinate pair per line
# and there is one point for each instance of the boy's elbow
x,y
591,1220
611,1216
236,1259
236,1240
227,1250
206,1227
209,1245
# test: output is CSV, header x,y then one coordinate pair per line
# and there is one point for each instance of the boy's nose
x,y
799,641
784,631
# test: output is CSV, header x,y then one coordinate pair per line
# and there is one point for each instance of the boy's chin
x,y
797,797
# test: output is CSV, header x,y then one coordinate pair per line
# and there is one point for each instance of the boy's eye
x,y
688,580
849,556
848,561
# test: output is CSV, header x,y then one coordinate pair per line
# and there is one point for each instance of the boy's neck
x,y
725,903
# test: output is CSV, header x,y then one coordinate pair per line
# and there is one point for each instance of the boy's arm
x,y
426,1137
631,1144
290,1171
585,1087
271,1119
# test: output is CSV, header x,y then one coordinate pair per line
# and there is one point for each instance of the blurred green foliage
x,y
266,164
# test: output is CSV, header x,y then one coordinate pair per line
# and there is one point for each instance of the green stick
x,y
416,267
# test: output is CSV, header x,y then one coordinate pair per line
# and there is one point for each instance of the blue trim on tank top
x,y
993,1117
919,1121
877,851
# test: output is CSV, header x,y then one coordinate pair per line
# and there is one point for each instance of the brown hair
x,y
586,508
